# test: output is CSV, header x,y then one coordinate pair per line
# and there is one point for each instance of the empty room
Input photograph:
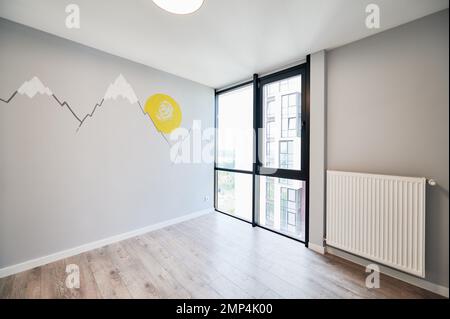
x,y
273,151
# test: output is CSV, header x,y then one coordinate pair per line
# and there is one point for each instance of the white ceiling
x,y
226,40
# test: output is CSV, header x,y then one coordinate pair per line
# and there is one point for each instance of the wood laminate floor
x,y
213,256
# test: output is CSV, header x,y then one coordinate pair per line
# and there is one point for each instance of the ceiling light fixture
x,y
179,6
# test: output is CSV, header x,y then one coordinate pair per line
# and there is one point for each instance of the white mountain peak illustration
x,y
122,88
33,87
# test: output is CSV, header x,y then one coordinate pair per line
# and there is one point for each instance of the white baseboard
x,y
317,248
30,264
415,281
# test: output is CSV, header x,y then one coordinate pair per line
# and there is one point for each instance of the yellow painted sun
x,y
164,112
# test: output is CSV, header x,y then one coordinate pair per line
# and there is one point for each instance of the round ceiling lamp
x,y
179,6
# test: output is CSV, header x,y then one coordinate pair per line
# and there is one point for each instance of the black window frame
x,y
257,168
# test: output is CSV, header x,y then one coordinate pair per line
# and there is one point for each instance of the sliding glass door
x,y
261,169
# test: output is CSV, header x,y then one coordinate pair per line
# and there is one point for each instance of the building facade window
x,y
271,108
271,129
270,154
289,207
270,201
290,115
286,154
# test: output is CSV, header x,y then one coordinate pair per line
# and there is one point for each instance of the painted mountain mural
x,y
120,88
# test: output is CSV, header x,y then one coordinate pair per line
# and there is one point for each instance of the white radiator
x,y
379,217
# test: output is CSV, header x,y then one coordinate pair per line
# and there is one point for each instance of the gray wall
x,y
60,188
388,113
317,157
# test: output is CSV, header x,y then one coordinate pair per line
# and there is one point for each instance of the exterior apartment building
x,y
283,206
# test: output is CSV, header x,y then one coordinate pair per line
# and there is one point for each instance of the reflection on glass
x,y
282,206
234,194
282,123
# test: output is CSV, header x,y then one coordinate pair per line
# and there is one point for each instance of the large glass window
x,y
270,190
234,152
235,129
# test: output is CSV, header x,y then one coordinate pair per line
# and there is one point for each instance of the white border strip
x,y
317,248
30,264
415,281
